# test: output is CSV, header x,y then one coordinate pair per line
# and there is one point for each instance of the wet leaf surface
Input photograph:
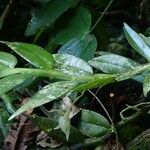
x,y
34,54
47,94
7,60
72,65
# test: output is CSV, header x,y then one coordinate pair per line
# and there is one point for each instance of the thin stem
x,y
101,105
5,13
37,36
102,15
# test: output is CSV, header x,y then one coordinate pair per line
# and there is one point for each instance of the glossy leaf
x,y
82,47
146,85
64,124
112,63
136,42
47,94
77,26
7,60
72,65
34,54
93,124
46,15
8,83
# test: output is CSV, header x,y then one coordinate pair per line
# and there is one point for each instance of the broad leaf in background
x,y
34,54
7,60
46,15
82,47
47,94
8,83
42,1
72,65
78,25
112,63
64,124
137,42
146,85
93,124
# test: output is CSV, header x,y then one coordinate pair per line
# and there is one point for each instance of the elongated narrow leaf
x,y
93,124
112,63
77,26
132,72
136,42
46,15
82,47
65,126
72,65
34,54
146,85
145,39
47,94
7,60
8,83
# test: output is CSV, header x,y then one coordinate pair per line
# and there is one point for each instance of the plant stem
x,y
37,36
102,15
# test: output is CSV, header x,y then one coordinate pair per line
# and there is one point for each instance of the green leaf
x,y
93,124
132,72
146,85
112,63
7,60
12,81
83,47
136,42
64,124
72,65
145,39
48,125
34,54
4,123
47,94
77,26
46,15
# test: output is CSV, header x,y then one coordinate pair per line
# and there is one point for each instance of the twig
x,y
102,15
5,13
101,105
